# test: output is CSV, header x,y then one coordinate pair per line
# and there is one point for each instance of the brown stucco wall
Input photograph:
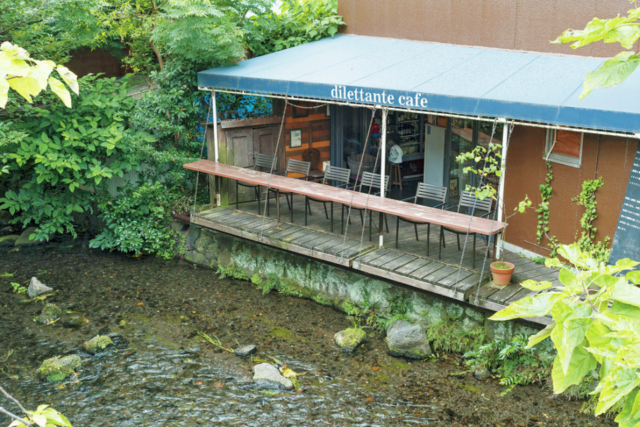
x,y
506,24
526,170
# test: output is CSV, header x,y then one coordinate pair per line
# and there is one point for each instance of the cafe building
x,y
353,105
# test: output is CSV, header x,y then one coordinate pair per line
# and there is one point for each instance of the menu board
x,y
626,242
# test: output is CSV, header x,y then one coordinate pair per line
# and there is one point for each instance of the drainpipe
x,y
505,141
215,143
383,168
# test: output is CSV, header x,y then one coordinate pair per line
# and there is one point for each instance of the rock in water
x,y
245,350
97,343
49,313
268,376
9,240
74,320
408,340
36,288
57,369
5,217
349,339
481,373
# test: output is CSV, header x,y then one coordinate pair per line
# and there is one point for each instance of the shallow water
x,y
161,373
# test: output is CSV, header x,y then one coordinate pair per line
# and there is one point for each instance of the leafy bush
x,y
138,221
596,315
511,361
58,157
299,22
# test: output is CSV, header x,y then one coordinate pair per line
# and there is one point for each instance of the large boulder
x,y
57,368
349,339
97,344
25,237
267,376
407,339
49,314
74,320
37,288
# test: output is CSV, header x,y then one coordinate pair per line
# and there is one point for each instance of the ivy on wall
x,y
546,193
587,242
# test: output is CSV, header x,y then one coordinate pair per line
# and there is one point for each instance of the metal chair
x,y
373,181
293,166
470,202
341,176
427,192
260,162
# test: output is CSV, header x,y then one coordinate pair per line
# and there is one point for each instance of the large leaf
x,y
614,71
534,306
59,89
630,414
617,385
567,337
634,277
4,93
541,336
25,86
69,78
581,363
532,285
627,294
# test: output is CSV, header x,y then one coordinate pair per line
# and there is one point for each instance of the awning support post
x,y
505,141
215,142
383,169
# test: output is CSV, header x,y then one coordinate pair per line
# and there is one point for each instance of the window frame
x,y
562,158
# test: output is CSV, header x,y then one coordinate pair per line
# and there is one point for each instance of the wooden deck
x,y
408,264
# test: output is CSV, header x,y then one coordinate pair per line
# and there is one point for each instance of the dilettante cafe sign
x,y
344,93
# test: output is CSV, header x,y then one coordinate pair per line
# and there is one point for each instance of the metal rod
x,y
439,113
215,143
505,141
383,169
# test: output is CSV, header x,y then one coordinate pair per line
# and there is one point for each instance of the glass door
x,y
462,141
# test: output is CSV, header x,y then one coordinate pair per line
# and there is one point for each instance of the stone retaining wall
x,y
334,284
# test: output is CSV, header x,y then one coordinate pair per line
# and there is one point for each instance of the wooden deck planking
x,y
408,265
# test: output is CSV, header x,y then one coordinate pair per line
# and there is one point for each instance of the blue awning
x,y
472,81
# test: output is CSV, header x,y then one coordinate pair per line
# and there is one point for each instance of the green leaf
x,y
630,414
532,285
567,337
59,89
627,294
634,277
626,264
581,363
541,335
533,306
4,92
617,385
614,71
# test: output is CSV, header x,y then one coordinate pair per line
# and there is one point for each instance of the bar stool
x,y
396,175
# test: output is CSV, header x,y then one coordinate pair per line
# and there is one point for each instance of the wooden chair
x,y
472,204
341,176
373,181
295,167
261,162
426,192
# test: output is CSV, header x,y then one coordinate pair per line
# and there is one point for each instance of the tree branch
x,y
15,417
13,399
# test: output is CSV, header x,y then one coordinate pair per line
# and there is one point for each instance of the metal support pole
x,y
505,141
383,170
215,140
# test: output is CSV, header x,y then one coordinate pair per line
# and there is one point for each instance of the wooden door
x,y
265,141
240,153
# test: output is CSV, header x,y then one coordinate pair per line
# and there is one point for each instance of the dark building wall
x,y
507,24
606,156
87,61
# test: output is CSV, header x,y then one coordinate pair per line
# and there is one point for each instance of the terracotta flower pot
x,y
502,271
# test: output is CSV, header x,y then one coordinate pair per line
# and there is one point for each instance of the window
x,y
564,147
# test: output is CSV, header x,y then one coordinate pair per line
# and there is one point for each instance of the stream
x,y
160,372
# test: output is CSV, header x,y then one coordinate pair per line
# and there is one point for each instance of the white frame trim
x,y
561,158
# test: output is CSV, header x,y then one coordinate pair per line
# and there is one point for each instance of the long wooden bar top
x,y
410,211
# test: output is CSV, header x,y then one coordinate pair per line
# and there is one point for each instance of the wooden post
x,y
505,140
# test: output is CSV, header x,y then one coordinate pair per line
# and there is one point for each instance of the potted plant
x,y
489,166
